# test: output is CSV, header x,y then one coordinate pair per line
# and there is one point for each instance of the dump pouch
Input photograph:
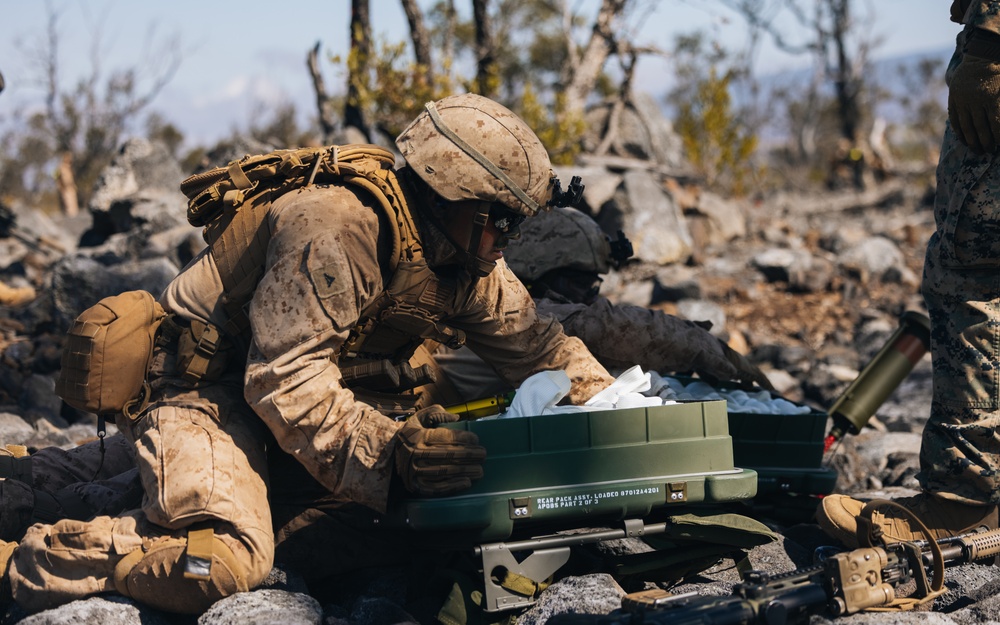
x,y
108,352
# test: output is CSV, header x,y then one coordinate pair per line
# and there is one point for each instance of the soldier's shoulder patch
x,y
330,279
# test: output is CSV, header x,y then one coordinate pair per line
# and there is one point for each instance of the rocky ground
x,y
809,286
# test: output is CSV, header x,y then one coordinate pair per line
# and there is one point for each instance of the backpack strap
x,y
231,204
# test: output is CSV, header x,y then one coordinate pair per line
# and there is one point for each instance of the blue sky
x,y
240,56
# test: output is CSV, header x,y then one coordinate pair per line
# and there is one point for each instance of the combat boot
x,y
837,515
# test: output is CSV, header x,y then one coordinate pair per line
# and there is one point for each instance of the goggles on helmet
x,y
507,221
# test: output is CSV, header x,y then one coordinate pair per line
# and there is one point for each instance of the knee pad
x,y
181,575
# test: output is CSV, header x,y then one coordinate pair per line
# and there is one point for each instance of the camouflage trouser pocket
x,y
961,285
967,207
964,307
200,459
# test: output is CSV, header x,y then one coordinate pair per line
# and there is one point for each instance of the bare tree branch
x,y
451,25
601,44
761,14
572,54
85,124
486,61
627,56
420,39
324,104
361,36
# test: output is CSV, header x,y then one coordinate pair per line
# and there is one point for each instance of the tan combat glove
x,y
715,361
436,461
974,104
974,93
745,370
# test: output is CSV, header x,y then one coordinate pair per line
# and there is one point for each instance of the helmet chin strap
x,y
478,268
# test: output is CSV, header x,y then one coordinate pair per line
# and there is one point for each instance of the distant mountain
x,y
899,74
895,77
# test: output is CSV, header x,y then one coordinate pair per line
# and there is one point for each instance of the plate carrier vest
x,y
231,204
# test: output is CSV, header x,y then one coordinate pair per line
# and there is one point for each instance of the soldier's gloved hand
x,y
974,103
437,461
746,371
718,361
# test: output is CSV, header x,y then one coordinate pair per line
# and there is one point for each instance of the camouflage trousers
x,y
77,483
203,530
960,450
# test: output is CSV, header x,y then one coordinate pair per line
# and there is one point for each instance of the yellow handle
x,y
485,407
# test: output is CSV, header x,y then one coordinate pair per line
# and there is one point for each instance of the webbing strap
x,y
743,564
238,177
198,563
208,345
523,585
480,158
927,590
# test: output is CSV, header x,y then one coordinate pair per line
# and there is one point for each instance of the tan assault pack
x,y
109,348
108,352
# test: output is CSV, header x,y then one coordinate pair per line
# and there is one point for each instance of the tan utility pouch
x,y
108,352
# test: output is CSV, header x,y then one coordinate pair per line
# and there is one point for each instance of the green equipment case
x,y
786,451
603,475
567,467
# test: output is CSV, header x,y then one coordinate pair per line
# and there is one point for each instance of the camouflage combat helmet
x,y
564,238
467,147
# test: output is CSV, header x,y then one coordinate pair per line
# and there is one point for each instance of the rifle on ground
x,y
868,578
42,244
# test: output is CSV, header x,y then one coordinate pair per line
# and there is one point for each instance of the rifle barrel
x,y
966,548
790,598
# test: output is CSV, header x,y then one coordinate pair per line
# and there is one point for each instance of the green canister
x,y
880,377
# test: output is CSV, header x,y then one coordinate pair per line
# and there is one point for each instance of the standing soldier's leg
x,y
960,450
960,453
204,531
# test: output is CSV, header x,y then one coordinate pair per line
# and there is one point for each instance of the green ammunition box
x,y
786,451
580,468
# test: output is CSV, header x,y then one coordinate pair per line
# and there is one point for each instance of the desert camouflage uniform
x,y
612,333
78,483
561,254
960,453
200,448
